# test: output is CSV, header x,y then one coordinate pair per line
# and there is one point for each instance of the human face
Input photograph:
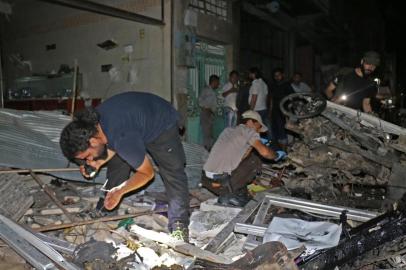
x,y
251,76
255,125
278,76
234,78
297,79
215,84
367,69
96,151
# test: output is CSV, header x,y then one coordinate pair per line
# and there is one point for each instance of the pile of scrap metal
x,y
341,149
378,242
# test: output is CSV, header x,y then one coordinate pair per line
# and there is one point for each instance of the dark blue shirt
x,y
133,119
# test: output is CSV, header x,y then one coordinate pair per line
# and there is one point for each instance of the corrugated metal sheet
x,y
30,140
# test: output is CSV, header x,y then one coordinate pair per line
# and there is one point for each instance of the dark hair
x,y
278,69
256,72
233,72
76,135
213,78
298,73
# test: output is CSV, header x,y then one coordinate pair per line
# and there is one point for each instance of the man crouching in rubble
x,y
118,134
232,164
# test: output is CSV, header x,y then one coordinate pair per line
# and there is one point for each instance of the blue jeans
x,y
230,117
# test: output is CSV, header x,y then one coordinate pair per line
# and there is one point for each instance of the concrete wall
x,y
35,24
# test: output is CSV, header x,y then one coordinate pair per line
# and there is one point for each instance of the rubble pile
x,y
337,153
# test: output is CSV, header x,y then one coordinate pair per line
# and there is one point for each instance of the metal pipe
x,y
45,170
40,245
163,10
1,82
107,10
255,230
317,208
172,62
74,87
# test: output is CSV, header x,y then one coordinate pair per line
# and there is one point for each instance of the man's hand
x,y
96,164
140,178
265,141
84,173
113,197
280,155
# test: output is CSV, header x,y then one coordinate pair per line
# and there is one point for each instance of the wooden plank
x,y
179,246
242,217
54,227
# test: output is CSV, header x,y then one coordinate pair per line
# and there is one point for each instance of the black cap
x,y
372,58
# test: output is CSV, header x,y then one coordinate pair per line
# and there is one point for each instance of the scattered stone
x,y
68,200
206,223
149,257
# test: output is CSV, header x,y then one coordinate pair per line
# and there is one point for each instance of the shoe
x,y
100,211
224,200
237,200
180,231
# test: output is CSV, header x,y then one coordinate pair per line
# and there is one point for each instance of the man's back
x,y
132,119
260,89
230,148
278,91
355,89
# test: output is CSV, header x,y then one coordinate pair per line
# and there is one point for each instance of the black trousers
x,y
167,151
243,175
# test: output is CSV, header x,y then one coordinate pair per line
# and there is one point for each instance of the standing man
x,y
232,164
230,90
279,89
258,94
208,105
298,85
356,89
118,134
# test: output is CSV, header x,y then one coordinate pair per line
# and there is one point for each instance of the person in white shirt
x,y
258,94
230,90
298,85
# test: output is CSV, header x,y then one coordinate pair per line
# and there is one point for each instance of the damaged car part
x,y
258,227
302,105
385,233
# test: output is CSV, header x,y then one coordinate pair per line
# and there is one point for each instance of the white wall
x,y
35,24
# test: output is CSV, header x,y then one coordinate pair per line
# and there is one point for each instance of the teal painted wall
x,y
208,60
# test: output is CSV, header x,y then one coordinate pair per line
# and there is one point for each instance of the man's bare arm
x,y
253,101
330,90
264,151
232,90
140,178
366,105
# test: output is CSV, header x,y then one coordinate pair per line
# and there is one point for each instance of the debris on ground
x,y
342,169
